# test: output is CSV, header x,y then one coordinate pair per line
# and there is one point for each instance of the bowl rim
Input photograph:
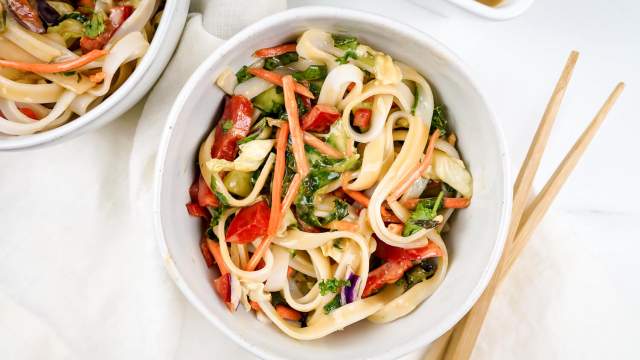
x,y
504,12
23,142
343,15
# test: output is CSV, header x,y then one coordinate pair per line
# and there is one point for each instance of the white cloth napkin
x,y
80,272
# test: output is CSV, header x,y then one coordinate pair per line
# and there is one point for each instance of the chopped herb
x,y
95,26
344,42
332,285
280,60
401,282
345,58
227,125
439,120
332,305
315,87
336,244
74,16
243,74
416,98
219,195
313,72
423,216
69,73
271,63
256,130
302,107
292,252
340,211
277,299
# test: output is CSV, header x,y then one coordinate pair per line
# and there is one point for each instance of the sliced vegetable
x,y
249,224
345,42
243,74
196,210
332,305
238,182
270,101
349,292
288,313
313,72
30,113
206,197
305,202
276,196
27,15
347,55
285,59
456,203
391,253
332,285
439,120
452,172
99,29
206,254
223,287
387,273
69,29
238,110
252,155
276,50
297,141
424,216
320,118
276,78
362,118
54,67
321,146
214,247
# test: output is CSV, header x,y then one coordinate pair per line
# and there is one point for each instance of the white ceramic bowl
x,y
508,9
141,80
475,242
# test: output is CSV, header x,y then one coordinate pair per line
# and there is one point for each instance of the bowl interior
x,y
477,234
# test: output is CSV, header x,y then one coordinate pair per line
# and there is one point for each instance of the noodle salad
x,y
58,59
326,185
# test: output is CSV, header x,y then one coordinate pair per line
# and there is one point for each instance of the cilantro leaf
x,y
243,74
345,58
344,42
332,305
95,26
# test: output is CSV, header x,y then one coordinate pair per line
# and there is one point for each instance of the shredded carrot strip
x,y
321,146
343,225
291,194
54,67
255,306
361,198
410,203
388,216
412,176
276,196
214,247
275,78
276,50
290,271
297,138
456,203
288,313
97,77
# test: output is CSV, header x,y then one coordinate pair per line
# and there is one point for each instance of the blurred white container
x,y
507,9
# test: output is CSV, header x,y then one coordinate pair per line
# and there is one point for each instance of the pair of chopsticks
x,y
459,342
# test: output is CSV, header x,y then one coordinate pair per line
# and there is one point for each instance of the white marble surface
x,y
574,293
517,62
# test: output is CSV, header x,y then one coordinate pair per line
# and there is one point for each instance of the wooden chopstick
x,y
534,212
465,333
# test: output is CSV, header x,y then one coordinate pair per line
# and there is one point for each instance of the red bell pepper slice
x,y
387,273
206,197
223,287
249,224
320,118
117,16
30,113
391,253
233,126
362,118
